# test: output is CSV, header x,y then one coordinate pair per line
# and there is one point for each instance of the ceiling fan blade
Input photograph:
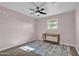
x,y
32,9
32,13
42,12
42,9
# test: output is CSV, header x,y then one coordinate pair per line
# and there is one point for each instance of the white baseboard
x,y
68,44
5,48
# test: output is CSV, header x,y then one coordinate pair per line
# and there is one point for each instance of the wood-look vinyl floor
x,y
16,51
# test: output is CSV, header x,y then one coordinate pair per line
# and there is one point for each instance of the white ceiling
x,y
50,8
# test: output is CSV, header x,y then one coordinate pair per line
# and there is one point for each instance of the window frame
x,y
54,19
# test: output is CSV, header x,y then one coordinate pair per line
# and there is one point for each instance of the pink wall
x,y
15,28
77,29
66,27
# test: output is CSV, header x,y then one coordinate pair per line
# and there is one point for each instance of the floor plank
x,y
73,51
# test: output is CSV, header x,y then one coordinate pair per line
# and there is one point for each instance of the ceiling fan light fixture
x,y
38,10
38,14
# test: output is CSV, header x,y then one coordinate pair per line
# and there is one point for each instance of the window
x,y
53,24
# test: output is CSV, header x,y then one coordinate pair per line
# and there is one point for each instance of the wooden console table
x,y
52,38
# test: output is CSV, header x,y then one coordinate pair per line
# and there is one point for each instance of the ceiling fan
x,y
38,10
